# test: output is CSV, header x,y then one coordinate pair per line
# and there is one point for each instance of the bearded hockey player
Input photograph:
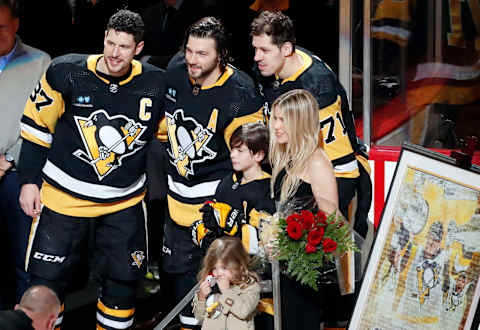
x,y
206,100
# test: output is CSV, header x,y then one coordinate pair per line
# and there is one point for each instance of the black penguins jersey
x,y
335,117
393,20
199,123
253,198
95,132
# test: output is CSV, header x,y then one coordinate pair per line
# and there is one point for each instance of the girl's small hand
x,y
205,290
223,283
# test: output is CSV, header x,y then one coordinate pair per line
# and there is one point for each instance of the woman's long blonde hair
x,y
300,117
230,251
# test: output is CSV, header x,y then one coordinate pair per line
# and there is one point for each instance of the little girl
x,y
234,306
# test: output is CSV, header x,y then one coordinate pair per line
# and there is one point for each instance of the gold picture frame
x,y
424,268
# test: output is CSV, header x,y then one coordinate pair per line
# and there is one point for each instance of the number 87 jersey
x,y
94,129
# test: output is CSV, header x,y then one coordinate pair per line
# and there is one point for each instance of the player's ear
x,y
139,47
286,48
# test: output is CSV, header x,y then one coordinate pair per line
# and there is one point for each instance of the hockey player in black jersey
x,y
206,100
85,128
282,66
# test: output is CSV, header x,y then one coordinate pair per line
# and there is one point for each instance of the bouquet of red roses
x,y
307,241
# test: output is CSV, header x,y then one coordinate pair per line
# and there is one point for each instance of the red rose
x,y
321,218
294,230
308,220
293,217
329,245
315,236
310,248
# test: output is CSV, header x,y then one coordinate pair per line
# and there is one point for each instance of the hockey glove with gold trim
x,y
226,218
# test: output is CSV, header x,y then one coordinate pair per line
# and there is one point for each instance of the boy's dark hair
x,y
13,6
276,25
254,136
129,22
211,27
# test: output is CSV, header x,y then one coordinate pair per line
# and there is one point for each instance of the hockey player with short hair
x,y
282,66
85,128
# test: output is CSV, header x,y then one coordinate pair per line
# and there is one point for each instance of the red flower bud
x,y
321,218
294,230
293,217
308,220
329,245
315,236
310,248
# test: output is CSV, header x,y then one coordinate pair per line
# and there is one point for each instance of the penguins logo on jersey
x,y
138,257
188,142
108,140
266,113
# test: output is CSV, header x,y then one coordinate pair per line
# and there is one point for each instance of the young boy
x,y
242,198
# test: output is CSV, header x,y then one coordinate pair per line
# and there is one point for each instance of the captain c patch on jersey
x,y
188,142
108,140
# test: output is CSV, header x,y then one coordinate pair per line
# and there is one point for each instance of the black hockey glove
x,y
201,236
217,215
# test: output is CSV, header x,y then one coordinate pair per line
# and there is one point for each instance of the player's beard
x,y
204,72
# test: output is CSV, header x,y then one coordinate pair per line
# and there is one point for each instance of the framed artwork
x,y
424,268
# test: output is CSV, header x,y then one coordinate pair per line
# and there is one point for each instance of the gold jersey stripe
x,y
348,175
250,239
340,145
45,105
123,313
92,65
162,133
63,203
398,39
265,305
307,62
223,78
182,213
393,9
33,230
366,165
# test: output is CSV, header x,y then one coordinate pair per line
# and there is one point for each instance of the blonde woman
x,y
296,152
301,170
